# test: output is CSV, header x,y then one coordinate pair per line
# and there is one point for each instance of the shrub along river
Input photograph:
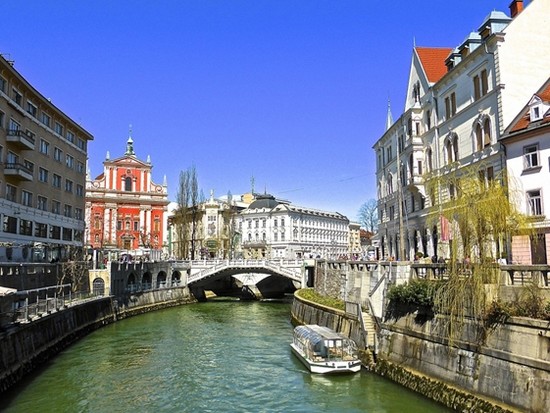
x,y
220,356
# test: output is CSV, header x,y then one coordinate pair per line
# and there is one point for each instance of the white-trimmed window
x,y
3,84
44,146
58,128
46,119
56,181
534,202
56,207
17,97
451,149
531,157
42,203
450,105
429,160
57,154
68,185
67,210
70,136
482,133
481,84
11,193
26,198
31,109
69,161
42,175
389,185
14,126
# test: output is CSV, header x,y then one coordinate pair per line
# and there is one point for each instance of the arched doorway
x,y
131,285
98,287
176,278
161,280
146,282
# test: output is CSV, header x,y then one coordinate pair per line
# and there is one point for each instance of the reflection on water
x,y
221,356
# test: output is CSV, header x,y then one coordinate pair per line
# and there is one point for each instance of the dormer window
x,y
537,109
535,113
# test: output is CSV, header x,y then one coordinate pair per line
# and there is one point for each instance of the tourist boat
x,y
323,350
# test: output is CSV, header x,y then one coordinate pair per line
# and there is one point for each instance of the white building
x,y
459,101
271,229
527,142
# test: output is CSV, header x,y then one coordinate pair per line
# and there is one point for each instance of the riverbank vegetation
x,y
310,295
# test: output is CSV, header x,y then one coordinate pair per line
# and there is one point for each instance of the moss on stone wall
x,y
436,390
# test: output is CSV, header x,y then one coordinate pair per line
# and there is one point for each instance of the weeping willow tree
x,y
477,217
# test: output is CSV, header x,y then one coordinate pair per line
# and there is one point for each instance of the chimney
x,y
516,7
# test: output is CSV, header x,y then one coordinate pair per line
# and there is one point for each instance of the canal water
x,y
220,356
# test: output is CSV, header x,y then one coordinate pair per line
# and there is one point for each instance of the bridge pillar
x,y
198,293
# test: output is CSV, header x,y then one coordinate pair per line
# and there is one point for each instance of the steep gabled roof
x,y
433,61
523,120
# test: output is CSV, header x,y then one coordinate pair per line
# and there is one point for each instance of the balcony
x,y
18,171
415,180
20,139
254,244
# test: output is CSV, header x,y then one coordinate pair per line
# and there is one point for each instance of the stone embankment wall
x,y
509,364
307,312
25,347
412,358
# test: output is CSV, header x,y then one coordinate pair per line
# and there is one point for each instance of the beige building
x,y
43,156
216,233
458,103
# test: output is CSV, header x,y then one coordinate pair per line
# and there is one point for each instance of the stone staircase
x,y
370,328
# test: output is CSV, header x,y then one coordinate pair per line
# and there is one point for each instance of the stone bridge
x,y
245,278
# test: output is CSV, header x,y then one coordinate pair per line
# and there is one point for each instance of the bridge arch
x,y
231,277
161,279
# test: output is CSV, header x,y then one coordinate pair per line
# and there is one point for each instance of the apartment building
x,y
527,142
459,100
43,156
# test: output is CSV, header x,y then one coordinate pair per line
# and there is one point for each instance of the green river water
x,y
220,356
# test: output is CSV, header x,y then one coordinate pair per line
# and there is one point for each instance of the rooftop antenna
x,y
8,58
252,184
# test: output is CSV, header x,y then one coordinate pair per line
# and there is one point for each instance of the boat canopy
x,y
317,334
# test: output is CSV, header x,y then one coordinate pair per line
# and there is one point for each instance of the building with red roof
x,y
527,141
458,103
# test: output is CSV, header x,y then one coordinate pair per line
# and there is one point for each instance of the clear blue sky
x,y
292,92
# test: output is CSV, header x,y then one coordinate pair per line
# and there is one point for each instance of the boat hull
x,y
327,367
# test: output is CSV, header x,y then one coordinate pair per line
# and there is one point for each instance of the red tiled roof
x,y
433,61
525,119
